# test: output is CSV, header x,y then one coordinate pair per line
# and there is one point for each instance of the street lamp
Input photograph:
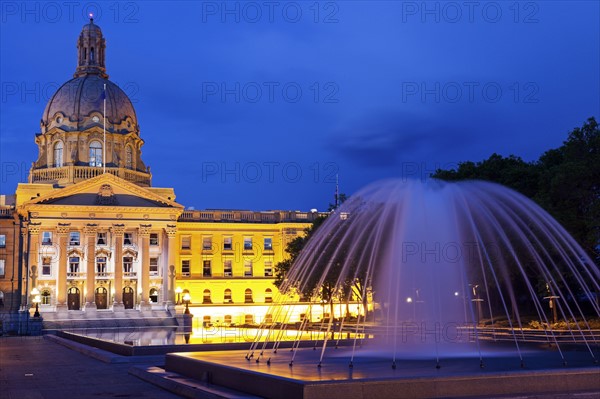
x,y
475,299
36,299
552,301
186,299
178,290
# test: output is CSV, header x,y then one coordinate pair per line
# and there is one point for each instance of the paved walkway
x,y
37,368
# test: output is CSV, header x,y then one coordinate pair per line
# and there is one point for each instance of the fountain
x,y
409,277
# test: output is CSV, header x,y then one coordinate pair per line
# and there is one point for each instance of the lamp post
x,y
178,290
186,299
36,299
476,300
552,301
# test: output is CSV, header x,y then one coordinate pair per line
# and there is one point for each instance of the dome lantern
x,y
91,48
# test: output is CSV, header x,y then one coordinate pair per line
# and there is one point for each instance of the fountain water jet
x,y
435,258
445,278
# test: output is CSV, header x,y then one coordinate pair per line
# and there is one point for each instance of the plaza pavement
x,y
38,368
41,368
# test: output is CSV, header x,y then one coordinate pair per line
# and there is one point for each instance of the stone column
x,y
61,285
118,230
90,276
145,266
168,284
23,268
32,261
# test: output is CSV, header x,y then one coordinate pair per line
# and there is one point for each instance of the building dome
x,y
79,139
79,103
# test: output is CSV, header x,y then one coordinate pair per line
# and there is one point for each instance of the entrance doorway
x,y
101,298
73,298
128,297
154,295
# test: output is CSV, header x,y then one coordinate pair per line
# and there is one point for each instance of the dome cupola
x,y
89,126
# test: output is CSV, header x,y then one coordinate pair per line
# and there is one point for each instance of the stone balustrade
x,y
249,216
73,174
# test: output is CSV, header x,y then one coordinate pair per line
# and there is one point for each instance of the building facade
x,y
88,233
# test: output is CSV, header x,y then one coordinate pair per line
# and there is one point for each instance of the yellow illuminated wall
x,y
228,244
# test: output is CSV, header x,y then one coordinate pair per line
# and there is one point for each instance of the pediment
x,y
104,191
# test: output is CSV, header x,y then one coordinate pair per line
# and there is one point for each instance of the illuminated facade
x,y
88,233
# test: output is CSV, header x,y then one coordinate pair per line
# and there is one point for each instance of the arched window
x,y
227,296
1,299
268,295
58,154
128,157
249,319
92,54
227,320
248,296
206,296
95,154
46,297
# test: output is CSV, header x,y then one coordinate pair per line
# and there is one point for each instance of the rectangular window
x,y
247,243
247,268
268,244
46,269
101,238
227,269
2,241
185,267
154,266
74,238
207,243
2,265
186,242
128,239
206,269
227,244
101,265
268,269
74,264
154,239
46,238
127,264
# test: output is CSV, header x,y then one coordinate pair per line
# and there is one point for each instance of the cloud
x,y
382,140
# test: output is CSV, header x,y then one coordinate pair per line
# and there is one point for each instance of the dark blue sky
x,y
257,105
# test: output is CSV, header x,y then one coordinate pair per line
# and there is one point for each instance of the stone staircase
x,y
107,319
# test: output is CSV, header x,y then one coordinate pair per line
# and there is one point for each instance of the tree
x,y
293,249
564,181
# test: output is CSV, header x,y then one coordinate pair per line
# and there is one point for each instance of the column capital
x,y
90,229
63,229
145,230
171,230
34,228
118,230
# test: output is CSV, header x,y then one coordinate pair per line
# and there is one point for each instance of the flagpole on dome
x,y
104,131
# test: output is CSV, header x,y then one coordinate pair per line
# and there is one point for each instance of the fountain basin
x,y
372,376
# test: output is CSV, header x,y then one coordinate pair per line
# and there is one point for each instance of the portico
x,y
101,245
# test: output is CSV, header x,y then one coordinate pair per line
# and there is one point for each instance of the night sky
x,y
258,105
